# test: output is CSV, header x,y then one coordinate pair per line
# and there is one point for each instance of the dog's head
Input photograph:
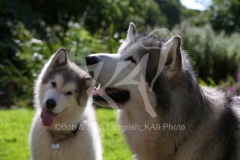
x,y
61,86
141,62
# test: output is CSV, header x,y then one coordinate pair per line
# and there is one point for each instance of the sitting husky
x,y
170,116
64,126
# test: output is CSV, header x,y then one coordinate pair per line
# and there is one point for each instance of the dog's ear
x,y
59,58
171,50
132,32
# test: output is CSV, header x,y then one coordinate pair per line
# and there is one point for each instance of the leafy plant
x,y
214,55
34,53
232,85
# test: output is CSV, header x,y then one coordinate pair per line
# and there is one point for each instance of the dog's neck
x,y
64,128
60,135
149,126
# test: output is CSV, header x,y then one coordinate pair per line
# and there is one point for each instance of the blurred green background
x,y
32,30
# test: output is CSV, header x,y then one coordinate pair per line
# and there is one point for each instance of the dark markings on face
x,y
69,76
45,80
152,65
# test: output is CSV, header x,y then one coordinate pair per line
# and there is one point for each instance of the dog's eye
x,y
131,59
53,84
69,93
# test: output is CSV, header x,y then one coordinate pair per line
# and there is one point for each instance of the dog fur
x,y
210,117
65,83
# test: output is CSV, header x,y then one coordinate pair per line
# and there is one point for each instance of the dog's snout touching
x,y
90,60
50,104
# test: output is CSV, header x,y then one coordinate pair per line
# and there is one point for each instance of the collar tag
x,y
55,146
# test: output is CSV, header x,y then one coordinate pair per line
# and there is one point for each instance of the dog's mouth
x,y
47,117
117,95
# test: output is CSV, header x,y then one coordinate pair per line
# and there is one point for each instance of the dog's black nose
x,y
50,104
90,60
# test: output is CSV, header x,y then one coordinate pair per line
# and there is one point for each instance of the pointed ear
x,y
132,31
172,50
59,58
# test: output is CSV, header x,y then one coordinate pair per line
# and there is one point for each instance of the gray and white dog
x,y
64,126
170,115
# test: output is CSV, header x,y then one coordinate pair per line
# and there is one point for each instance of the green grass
x,y
114,145
15,126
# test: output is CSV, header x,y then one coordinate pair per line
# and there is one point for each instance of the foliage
x,y
117,14
172,11
224,15
33,53
214,55
15,132
175,13
32,30
107,17
232,85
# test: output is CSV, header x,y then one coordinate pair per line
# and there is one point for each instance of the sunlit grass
x,y
15,126
14,129
115,147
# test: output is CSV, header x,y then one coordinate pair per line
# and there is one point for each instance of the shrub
x,y
232,85
33,53
214,55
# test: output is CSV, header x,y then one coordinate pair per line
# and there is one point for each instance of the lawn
x,y
15,126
